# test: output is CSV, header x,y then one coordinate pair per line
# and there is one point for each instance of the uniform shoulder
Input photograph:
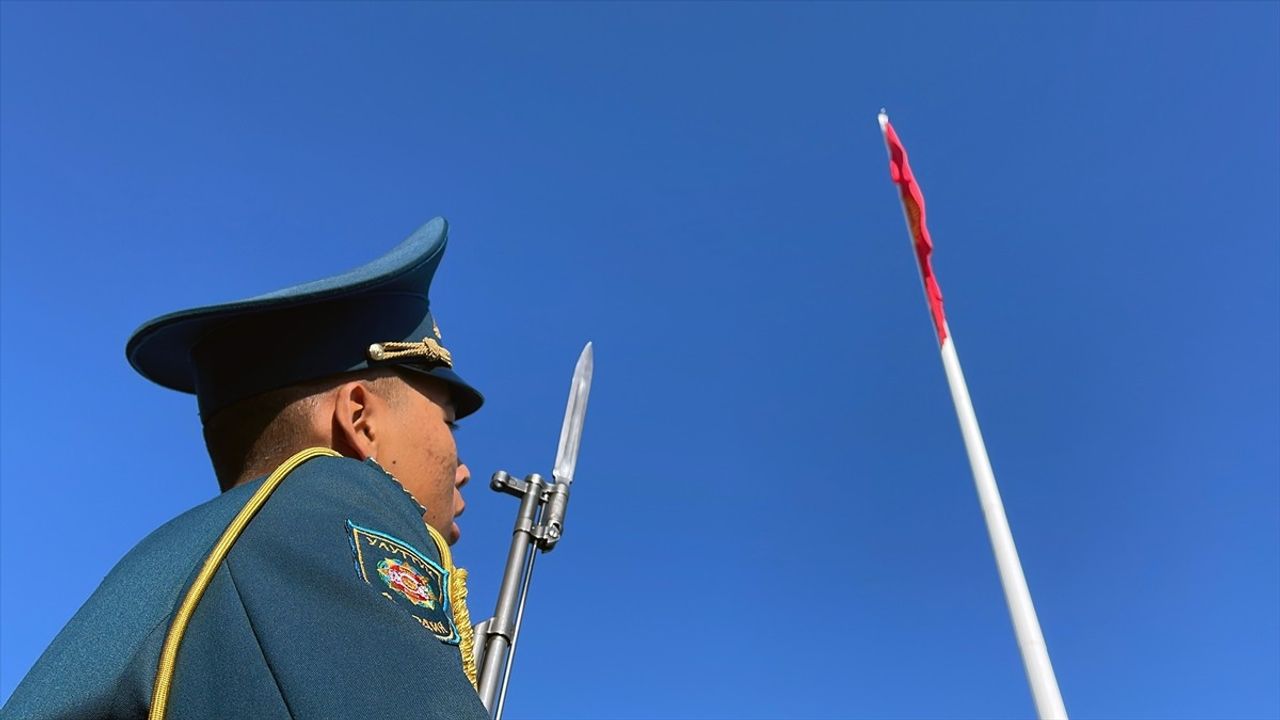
x,y
83,671
144,586
332,492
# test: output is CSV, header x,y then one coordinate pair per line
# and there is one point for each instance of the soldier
x,y
319,584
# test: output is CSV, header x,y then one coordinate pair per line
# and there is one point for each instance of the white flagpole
x,y
1026,626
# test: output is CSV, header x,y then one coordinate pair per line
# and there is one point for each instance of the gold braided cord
x,y
427,349
173,639
462,618
458,602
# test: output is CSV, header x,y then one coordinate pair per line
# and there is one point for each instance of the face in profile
x,y
418,448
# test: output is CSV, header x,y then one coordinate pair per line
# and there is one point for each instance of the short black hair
x,y
254,432
254,436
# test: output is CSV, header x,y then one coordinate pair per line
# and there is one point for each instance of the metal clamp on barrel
x,y
552,526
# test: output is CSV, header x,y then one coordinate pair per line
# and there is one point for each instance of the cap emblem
x,y
428,349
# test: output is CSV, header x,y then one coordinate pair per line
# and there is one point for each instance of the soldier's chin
x,y
454,534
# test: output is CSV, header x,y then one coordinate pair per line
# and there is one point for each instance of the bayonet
x,y
575,413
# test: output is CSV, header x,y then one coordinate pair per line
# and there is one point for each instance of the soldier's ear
x,y
357,414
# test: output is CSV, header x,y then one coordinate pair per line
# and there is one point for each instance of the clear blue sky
x,y
774,515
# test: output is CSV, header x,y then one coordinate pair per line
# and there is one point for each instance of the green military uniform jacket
x,y
333,603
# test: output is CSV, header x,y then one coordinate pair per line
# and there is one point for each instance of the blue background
x,y
774,515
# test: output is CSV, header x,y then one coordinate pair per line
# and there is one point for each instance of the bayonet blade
x,y
575,414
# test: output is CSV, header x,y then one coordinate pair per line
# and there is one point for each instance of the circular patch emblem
x,y
401,577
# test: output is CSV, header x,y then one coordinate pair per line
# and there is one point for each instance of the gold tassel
x,y
458,600
462,619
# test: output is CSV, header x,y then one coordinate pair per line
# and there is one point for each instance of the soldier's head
x,y
403,421
354,363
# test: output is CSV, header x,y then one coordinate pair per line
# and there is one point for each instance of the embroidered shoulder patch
x,y
407,578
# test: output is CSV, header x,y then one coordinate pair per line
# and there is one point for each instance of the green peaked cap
x,y
374,316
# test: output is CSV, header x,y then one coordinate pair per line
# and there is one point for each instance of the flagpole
x,y
1026,626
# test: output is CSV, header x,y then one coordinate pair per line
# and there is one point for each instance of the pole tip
x,y
883,117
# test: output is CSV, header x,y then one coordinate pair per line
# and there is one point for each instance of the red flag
x,y
913,204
